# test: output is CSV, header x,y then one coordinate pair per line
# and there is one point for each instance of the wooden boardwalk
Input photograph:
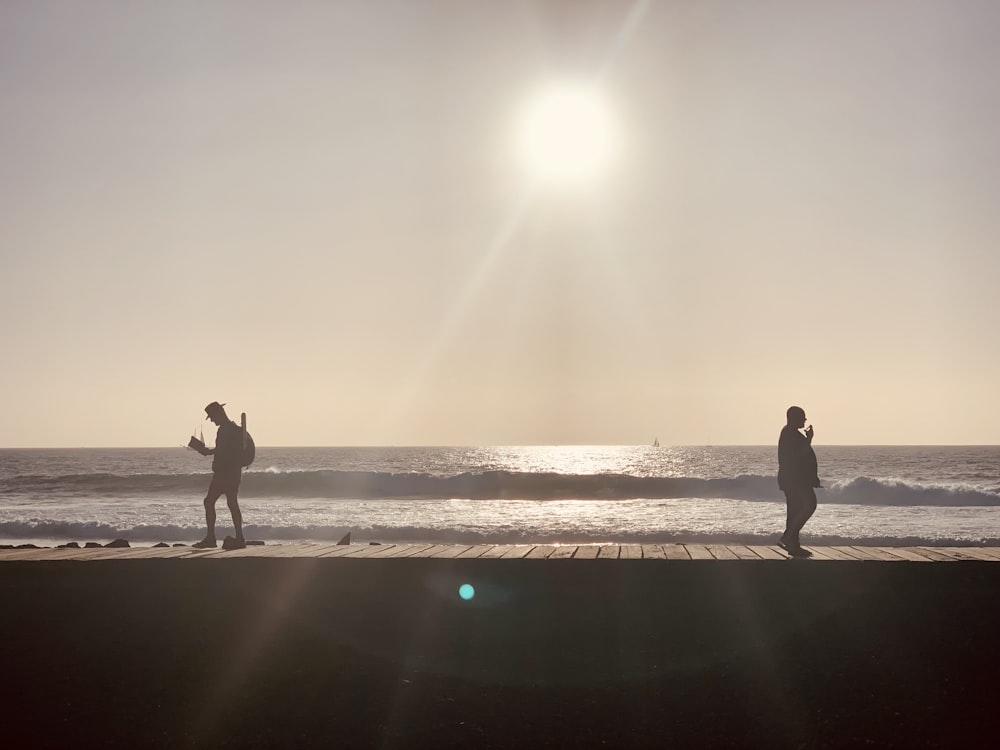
x,y
515,552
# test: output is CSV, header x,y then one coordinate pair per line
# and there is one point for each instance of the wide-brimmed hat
x,y
215,405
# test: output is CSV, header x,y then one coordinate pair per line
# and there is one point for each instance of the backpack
x,y
248,451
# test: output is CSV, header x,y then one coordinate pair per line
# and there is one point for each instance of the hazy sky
x,y
318,212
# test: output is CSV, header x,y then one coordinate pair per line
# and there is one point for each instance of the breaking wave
x,y
492,485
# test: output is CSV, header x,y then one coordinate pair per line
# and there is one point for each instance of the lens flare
x,y
567,134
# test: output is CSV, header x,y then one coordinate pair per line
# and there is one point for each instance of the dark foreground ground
x,y
384,653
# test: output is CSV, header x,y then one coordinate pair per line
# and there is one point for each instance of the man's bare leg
x,y
234,510
209,540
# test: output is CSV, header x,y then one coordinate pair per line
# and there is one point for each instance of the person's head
x,y
796,416
216,413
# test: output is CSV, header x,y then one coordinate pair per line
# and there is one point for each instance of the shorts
x,y
224,483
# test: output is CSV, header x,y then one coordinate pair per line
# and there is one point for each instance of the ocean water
x,y
580,494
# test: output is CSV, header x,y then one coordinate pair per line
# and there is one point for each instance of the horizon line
x,y
514,445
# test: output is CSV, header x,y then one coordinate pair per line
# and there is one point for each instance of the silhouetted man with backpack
x,y
227,465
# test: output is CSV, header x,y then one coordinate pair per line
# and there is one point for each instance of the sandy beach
x,y
300,652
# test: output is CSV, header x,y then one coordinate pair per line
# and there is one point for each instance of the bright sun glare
x,y
566,134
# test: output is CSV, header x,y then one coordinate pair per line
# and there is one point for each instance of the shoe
x,y
793,548
233,543
205,543
797,551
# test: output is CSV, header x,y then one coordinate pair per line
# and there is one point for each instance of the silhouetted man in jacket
x,y
797,478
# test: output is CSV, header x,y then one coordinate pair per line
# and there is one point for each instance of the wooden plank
x,y
608,552
133,553
256,550
382,551
23,553
676,552
62,553
848,552
183,551
13,553
869,554
495,552
630,552
563,552
935,554
517,551
306,549
653,552
265,550
434,550
276,550
119,553
476,551
953,553
721,552
318,548
342,550
145,553
454,550
993,552
218,552
743,552
360,551
967,553
821,553
767,552
832,553
72,553
414,550
699,552
268,550
980,552
325,547
878,554
587,552
93,553
904,554
884,554
781,551
540,552
180,552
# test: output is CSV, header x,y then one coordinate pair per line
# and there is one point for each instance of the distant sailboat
x,y
656,442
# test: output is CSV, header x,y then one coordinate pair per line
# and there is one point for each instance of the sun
x,y
566,134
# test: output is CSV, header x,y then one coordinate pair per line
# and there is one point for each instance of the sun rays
x,y
565,134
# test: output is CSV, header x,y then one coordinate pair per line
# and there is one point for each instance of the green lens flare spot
x,y
466,591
